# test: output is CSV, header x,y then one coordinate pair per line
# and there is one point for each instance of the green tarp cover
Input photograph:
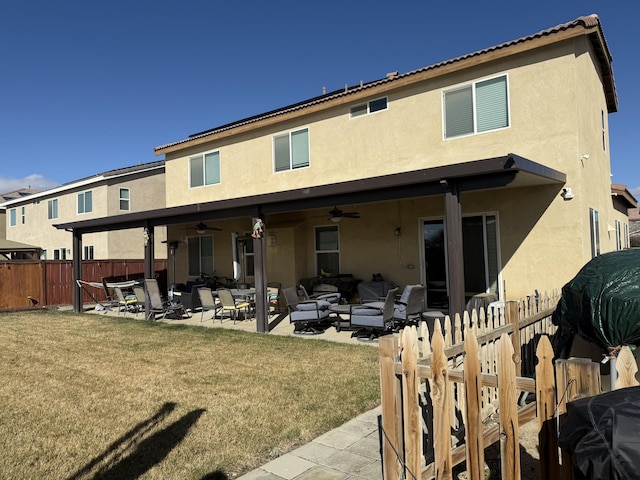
x,y
602,302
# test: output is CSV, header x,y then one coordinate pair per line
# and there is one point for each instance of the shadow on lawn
x,y
140,448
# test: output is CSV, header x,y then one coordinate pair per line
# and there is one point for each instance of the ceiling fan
x,y
201,228
336,215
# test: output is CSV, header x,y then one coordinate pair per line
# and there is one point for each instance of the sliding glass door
x,y
481,257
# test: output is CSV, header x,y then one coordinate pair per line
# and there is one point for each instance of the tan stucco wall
x,y
556,99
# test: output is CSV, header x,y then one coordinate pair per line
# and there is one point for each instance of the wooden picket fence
x,y
438,389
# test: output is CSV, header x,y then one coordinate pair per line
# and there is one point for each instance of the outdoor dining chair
x,y
126,303
141,297
208,302
230,304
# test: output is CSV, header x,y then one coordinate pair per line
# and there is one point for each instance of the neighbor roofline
x,y
84,182
587,25
620,190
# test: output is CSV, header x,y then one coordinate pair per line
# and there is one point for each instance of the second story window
x,y
475,108
125,199
22,214
291,150
204,169
12,217
52,209
369,107
85,202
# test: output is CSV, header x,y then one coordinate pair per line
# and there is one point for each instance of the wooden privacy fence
x,y
50,282
437,391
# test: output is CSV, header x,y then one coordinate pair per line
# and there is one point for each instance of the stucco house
x,y
30,217
489,172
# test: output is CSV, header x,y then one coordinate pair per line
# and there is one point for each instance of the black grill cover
x,y
602,302
602,434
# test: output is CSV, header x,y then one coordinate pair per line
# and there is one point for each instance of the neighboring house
x,y
634,227
476,174
31,218
10,250
625,203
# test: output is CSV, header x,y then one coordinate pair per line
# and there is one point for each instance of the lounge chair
x,y
331,297
307,315
408,309
375,318
138,290
157,304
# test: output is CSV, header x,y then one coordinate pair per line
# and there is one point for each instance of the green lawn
x,y
87,397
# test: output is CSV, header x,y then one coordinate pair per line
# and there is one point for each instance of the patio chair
x,y
273,296
307,315
126,303
230,304
138,291
157,304
375,318
208,302
331,297
408,309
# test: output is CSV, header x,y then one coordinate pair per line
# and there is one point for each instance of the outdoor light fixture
x,y
335,219
567,194
271,239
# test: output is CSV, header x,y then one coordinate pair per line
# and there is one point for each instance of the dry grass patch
x,y
86,396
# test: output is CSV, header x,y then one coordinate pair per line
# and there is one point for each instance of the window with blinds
x,y
478,107
204,169
291,150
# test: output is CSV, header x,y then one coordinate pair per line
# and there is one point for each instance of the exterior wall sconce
x,y
567,194
272,239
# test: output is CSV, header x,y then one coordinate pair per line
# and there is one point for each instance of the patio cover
x,y
7,247
451,180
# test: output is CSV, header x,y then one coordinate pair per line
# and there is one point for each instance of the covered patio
x,y
445,184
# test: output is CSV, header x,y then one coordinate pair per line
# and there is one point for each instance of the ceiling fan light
x,y
335,219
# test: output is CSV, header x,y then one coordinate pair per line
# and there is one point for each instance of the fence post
x,y
627,368
472,393
411,410
511,313
508,401
391,406
441,408
546,405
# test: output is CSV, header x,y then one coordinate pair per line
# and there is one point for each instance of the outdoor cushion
x,y
306,315
312,305
366,311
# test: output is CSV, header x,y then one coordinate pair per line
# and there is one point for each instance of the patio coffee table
x,y
337,311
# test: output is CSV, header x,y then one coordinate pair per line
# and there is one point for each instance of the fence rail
x,y
50,282
438,388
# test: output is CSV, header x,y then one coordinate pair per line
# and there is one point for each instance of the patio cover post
x,y
259,272
455,255
149,261
77,271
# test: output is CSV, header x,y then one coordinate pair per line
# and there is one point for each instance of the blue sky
x,y
89,86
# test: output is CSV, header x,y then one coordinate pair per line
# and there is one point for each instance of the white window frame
x,y
626,235
122,201
364,109
209,176
52,209
318,251
83,195
594,228
60,254
618,227
474,104
292,165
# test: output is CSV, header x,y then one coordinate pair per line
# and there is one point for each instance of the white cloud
x,y
635,192
30,181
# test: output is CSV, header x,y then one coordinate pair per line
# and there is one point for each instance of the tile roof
x,y
22,192
590,22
